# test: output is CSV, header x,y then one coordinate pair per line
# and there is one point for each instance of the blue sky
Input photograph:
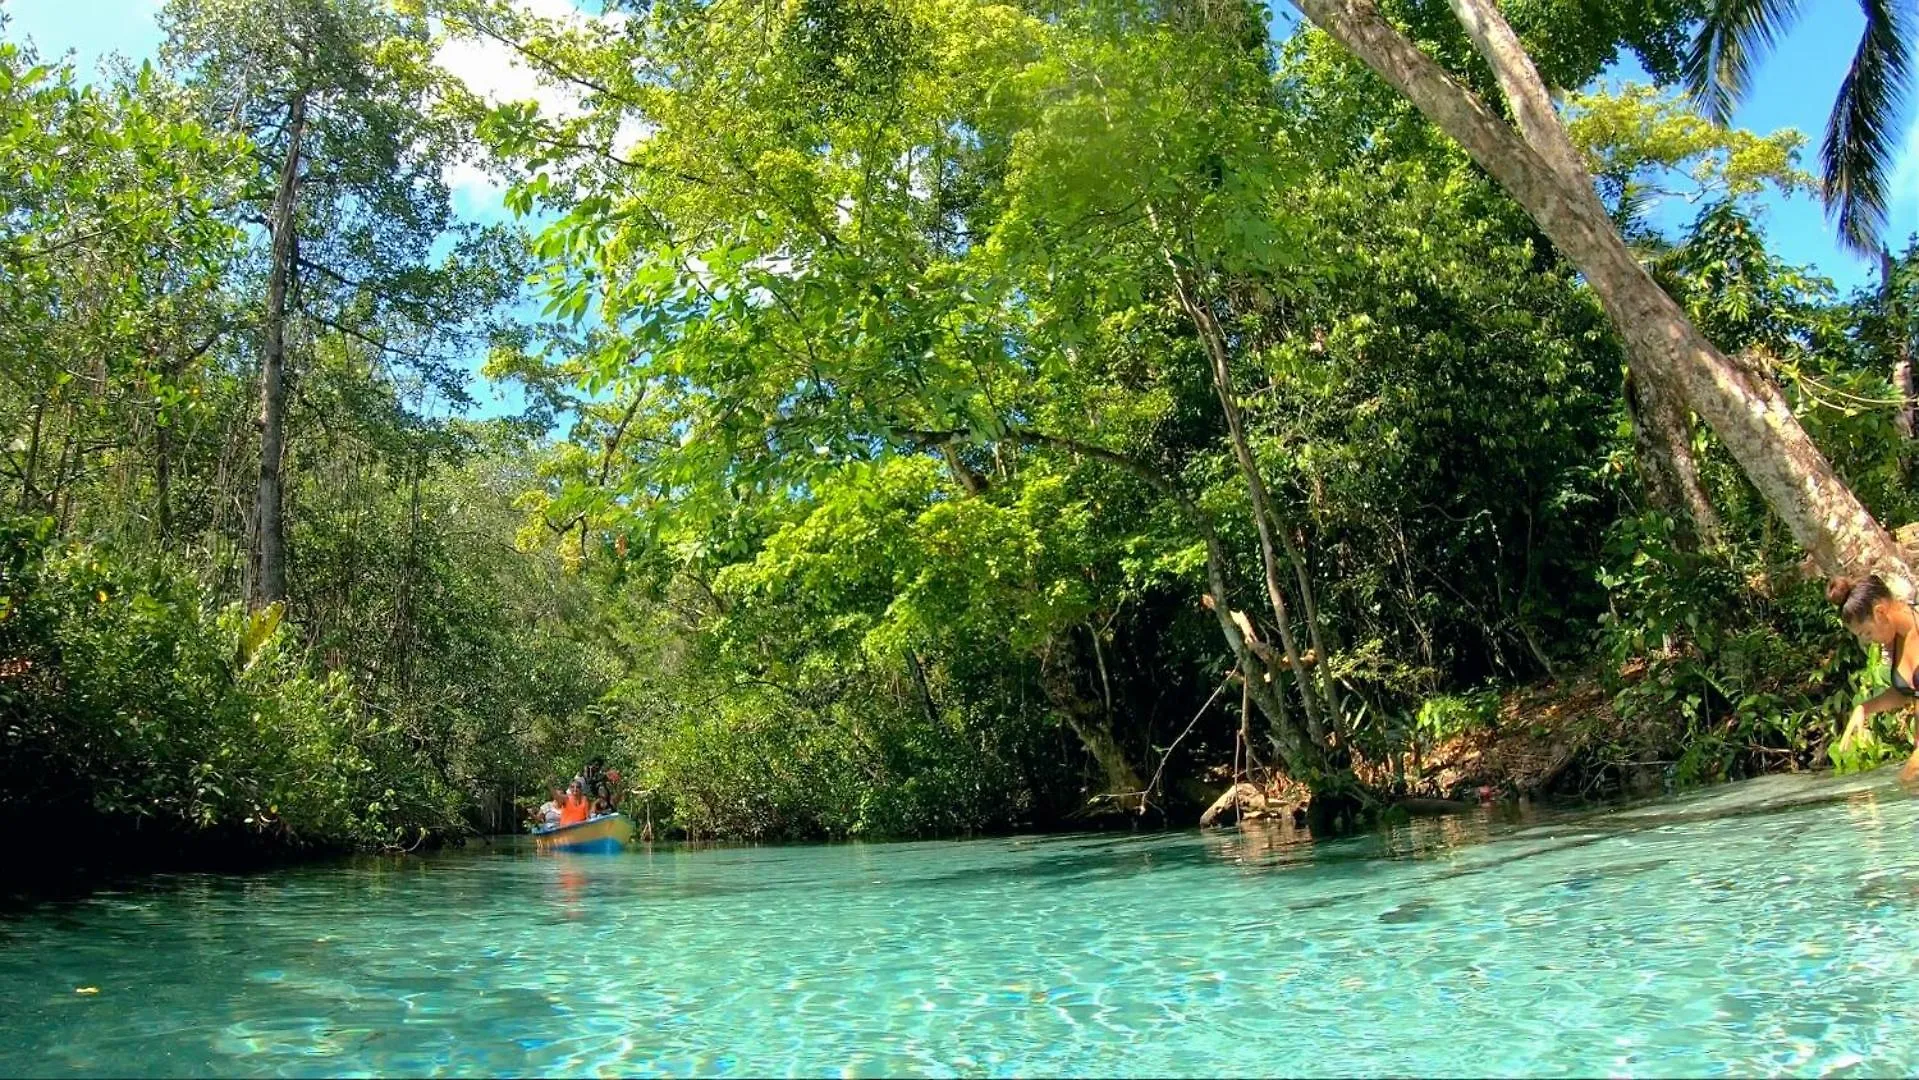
x,y
1794,89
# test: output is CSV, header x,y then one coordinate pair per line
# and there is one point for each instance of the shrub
x,y
131,703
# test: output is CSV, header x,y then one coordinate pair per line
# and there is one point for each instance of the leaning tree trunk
x,y
1092,725
1213,338
270,582
1542,172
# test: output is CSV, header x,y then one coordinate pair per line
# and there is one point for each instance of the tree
x,y
337,99
1893,321
1645,148
1537,165
112,304
1862,135
424,671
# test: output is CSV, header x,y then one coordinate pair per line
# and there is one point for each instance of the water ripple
x,y
1758,928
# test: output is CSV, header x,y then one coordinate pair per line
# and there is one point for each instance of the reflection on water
x,y
1756,928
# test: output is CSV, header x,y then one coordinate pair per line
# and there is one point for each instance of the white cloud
x,y
497,73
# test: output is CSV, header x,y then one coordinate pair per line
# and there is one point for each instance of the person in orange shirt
x,y
574,808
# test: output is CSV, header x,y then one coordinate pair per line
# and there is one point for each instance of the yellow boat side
x,y
608,832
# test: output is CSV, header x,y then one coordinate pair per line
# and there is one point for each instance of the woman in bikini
x,y
1877,617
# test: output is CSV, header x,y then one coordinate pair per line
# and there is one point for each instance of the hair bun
x,y
1838,589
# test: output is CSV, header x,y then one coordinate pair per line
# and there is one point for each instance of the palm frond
x,y
1734,38
1630,213
1862,138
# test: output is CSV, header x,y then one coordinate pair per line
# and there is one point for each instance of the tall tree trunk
x,y
65,477
1309,605
927,703
163,480
1893,310
404,629
270,580
29,494
1304,752
1662,438
1542,172
1213,338
1099,659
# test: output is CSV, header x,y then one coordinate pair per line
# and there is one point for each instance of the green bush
x,y
1445,715
754,766
1728,663
132,704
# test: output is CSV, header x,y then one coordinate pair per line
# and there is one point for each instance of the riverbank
x,y
1562,741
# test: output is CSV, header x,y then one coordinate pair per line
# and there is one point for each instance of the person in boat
x,y
575,807
1876,616
610,796
594,779
548,815
603,791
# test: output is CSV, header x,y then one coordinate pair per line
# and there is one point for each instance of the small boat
x,y
605,834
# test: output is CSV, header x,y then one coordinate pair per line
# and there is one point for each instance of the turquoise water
x,y
1767,927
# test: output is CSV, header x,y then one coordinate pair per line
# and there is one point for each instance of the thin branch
x,y
384,347
1153,784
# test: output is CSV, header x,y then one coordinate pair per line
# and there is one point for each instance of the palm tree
x,y
1861,137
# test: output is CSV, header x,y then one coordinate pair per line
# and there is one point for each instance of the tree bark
x,y
270,580
1099,659
1540,171
1309,605
930,707
963,475
1093,727
31,465
1662,437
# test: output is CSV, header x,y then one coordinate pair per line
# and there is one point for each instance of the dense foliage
x,y
422,676
936,405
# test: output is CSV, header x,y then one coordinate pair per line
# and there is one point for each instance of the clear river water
x,y
1760,928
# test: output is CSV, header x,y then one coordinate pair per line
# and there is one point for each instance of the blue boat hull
x,y
603,846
